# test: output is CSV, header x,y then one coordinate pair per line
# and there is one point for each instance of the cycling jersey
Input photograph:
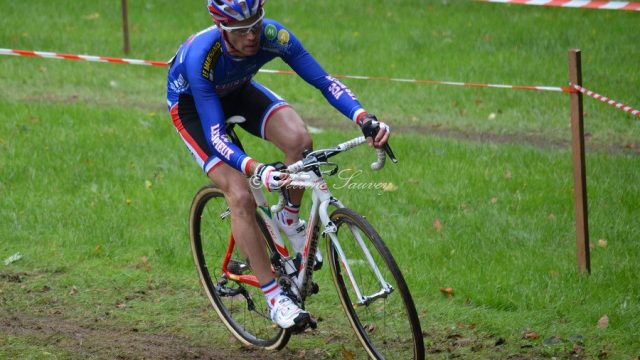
x,y
204,70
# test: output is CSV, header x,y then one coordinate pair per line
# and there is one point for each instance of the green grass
x,y
95,186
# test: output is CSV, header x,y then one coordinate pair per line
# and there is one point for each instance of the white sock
x,y
271,291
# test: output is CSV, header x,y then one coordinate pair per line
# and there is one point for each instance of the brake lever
x,y
389,152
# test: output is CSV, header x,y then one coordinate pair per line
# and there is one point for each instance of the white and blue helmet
x,y
224,11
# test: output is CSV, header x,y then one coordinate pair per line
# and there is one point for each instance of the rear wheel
x,y
241,307
384,317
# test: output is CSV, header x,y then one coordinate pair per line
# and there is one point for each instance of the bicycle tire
x,y
209,237
389,326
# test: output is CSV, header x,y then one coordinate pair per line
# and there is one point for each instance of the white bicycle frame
x,y
321,199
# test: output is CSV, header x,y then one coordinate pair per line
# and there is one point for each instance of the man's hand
x,y
271,178
376,132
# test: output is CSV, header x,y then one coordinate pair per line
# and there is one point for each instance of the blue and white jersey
x,y
204,70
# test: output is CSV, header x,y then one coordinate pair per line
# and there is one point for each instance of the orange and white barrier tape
x,y
604,5
572,89
437,82
605,99
52,55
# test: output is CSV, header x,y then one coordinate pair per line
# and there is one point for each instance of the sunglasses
x,y
244,30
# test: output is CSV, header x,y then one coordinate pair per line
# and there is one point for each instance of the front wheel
x,y
372,290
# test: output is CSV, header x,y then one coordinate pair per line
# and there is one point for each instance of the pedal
x,y
311,323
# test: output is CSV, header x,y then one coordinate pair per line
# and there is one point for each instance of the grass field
x,y
95,186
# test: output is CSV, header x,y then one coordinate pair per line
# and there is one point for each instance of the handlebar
x,y
319,157
322,155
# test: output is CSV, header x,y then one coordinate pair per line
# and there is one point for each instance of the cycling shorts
x,y
252,101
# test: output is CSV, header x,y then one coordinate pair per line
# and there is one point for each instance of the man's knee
x,y
240,201
301,141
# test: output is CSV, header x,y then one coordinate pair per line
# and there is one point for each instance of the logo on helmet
x,y
224,11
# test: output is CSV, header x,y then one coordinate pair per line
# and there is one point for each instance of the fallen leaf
x,y
603,323
602,243
437,224
371,328
148,184
577,350
143,264
530,335
447,291
347,354
494,200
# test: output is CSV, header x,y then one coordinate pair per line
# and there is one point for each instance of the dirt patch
x,y
45,325
84,341
12,277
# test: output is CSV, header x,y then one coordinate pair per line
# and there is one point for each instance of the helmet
x,y
224,11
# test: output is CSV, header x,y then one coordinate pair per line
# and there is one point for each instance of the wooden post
x,y
125,26
579,167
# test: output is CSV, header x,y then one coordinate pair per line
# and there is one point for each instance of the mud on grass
x,y
43,328
35,324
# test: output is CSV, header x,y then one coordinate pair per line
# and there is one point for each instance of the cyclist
x,y
211,79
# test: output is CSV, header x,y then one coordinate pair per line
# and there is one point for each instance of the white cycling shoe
x,y
297,236
288,315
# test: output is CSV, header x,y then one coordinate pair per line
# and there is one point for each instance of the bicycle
x,y
370,286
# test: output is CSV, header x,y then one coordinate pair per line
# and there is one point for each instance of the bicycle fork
x,y
385,289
